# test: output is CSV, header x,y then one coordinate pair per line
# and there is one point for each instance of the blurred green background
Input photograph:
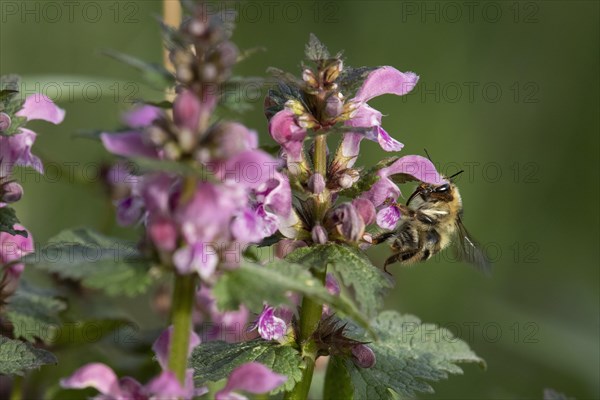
x,y
509,91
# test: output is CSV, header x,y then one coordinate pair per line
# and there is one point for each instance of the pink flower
x,y
285,130
384,80
134,143
13,248
102,378
385,191
251,377
270,327
229,326
16,149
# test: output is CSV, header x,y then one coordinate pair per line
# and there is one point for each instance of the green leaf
x,y
368,283
315,50
338,384
16,357
8,218
213,361
33,313
253,285
154,74
408,354
99,262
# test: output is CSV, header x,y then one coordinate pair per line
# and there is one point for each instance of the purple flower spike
x,y
285,131
39,106
163,343
251,377
271,327
96,375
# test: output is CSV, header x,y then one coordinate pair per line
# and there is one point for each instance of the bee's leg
x,y
383,237
398,257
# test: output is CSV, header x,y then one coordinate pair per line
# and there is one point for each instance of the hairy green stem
x,y
311,311
184,292
16,392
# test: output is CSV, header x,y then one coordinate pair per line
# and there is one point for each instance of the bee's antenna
x,y
427,153
456,174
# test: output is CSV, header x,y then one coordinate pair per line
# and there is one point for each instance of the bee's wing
x,y
468,249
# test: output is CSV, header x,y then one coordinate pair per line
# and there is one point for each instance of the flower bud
x,y
366,209
209,72
318,234
11,192
184,73
332,285
309,77
157,135
363,356
345,181
332,72
348,222
334,106
172,151
4,122
295,106
316,183
228,54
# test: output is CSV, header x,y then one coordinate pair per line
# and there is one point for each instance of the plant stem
x,y
311,311
184,292
16,392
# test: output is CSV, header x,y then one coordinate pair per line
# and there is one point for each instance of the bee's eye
x,y
443,188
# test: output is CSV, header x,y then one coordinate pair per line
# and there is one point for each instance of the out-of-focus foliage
x,y
509,96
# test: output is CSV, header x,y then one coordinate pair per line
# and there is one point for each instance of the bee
x,y
430,221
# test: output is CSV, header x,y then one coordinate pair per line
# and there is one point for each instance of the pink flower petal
x,y
381,191
186,110
128,144
251,377
141,116
388,217
271,327
167,385
365,116
365,209
199,257
387,142
249,168
162,346
96,375
39,106
351,147
285,131
419,167
16,150
386,80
